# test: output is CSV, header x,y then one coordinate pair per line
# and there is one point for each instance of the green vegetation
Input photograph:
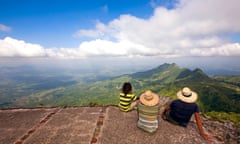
x,y
220,116
218,96
230,79
165,80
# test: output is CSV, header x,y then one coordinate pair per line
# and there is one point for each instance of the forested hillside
x,y
218,93
165,80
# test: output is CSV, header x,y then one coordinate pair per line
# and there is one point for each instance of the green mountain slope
x,y
165,73
230,79
166,80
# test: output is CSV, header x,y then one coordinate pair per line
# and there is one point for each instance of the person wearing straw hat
x,y
180,111
148,109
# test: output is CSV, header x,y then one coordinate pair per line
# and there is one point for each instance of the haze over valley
x,y
80,52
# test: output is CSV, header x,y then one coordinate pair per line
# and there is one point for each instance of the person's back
x,y
125,101
148,109
148,117
126,97
182,111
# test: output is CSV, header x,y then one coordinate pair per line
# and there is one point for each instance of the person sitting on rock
x,y
148,108
126,97
180,111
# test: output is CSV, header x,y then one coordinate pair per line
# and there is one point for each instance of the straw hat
x,y
186,95
149,98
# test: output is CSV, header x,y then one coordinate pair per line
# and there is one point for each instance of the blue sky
x,y
131,29
53,24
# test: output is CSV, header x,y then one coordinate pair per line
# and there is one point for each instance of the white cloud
x,y
10,47
108,48
224,50
4,28
98,32
193,28
192,25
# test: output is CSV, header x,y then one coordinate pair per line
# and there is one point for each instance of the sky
x,y
153,30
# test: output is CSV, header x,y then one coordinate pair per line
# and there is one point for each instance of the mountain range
x,y
217,93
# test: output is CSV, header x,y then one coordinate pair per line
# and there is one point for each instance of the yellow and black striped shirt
x,y
125,101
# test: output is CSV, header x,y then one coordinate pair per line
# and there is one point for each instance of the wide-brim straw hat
x,y
187,95
149,98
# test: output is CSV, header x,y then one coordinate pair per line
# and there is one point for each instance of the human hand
x,y
206,137
133,104
163,116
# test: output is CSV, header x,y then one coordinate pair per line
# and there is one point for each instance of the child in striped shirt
x,y
126,97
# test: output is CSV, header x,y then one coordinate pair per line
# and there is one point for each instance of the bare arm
x,y
167,108
133,104
200,128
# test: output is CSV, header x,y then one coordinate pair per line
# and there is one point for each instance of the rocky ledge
x,y
99,125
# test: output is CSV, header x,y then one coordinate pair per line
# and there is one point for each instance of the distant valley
x,y
28,87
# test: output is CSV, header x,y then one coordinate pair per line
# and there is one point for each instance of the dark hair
x,y
127,88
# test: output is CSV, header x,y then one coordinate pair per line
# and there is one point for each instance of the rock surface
x,y
223,132
121,128
90,125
